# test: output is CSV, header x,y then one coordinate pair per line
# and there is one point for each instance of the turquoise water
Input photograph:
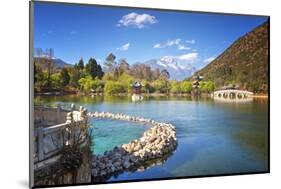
x,y
213,138
110,133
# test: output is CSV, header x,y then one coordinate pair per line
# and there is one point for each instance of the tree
x,y
156,74
113,87
55,81
146,88
126,80
81,64
208,86
110,62
165,74
93,69
47,59
75,75
175,87
64,77
141,71
39,77
186,86
86,84
160,85
100,73
108,77
123,66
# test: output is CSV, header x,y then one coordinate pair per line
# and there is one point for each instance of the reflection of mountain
x,y
244,63
178,69
58,63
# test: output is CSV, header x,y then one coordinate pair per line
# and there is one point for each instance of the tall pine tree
x,y
93,69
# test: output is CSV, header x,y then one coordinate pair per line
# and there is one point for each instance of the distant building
x,y
196,82
137,92
136,87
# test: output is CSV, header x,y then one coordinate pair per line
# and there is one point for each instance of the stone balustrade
x,y
53,134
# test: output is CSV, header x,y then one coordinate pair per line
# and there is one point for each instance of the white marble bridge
x,y
233,94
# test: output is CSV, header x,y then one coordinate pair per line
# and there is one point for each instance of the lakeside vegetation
x,y
116,77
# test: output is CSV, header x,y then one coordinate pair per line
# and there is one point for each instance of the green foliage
x,y
93,69
113,87
81,64
108,77
39,76
126,80
90,78
186,86
86,84
175,87
146,87
75,75
208,86
64,76
161,85
55,81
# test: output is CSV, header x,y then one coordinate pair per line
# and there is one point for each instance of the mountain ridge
x,y
177,69
58,63
244,63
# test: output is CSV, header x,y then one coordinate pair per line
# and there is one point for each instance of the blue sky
x,y
138,35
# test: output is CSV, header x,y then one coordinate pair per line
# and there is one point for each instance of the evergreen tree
x,y
65,77
93,69
81,64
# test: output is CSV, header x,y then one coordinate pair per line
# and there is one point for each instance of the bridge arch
x,y
232,94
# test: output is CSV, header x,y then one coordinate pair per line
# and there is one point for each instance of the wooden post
x,y
40,144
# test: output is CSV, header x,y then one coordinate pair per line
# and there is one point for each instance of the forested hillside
x,y
243,64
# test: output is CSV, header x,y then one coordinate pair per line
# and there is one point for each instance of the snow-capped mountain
x,y
58,63
177,68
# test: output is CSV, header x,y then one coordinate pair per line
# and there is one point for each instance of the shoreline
x,y
260,96
143,94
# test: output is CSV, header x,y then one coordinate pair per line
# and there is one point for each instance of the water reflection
x,y
135,169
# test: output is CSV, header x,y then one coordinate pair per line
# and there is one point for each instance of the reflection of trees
x,y
257,142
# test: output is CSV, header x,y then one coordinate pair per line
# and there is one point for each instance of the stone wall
x,y
159,141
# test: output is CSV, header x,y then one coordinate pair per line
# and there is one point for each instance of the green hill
x,y
244,63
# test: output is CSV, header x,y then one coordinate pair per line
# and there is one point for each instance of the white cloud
x,y
124,47
182,47
157,46
190,57
184,58
176,42
137,20
190,41
168,43
210,59
173,42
